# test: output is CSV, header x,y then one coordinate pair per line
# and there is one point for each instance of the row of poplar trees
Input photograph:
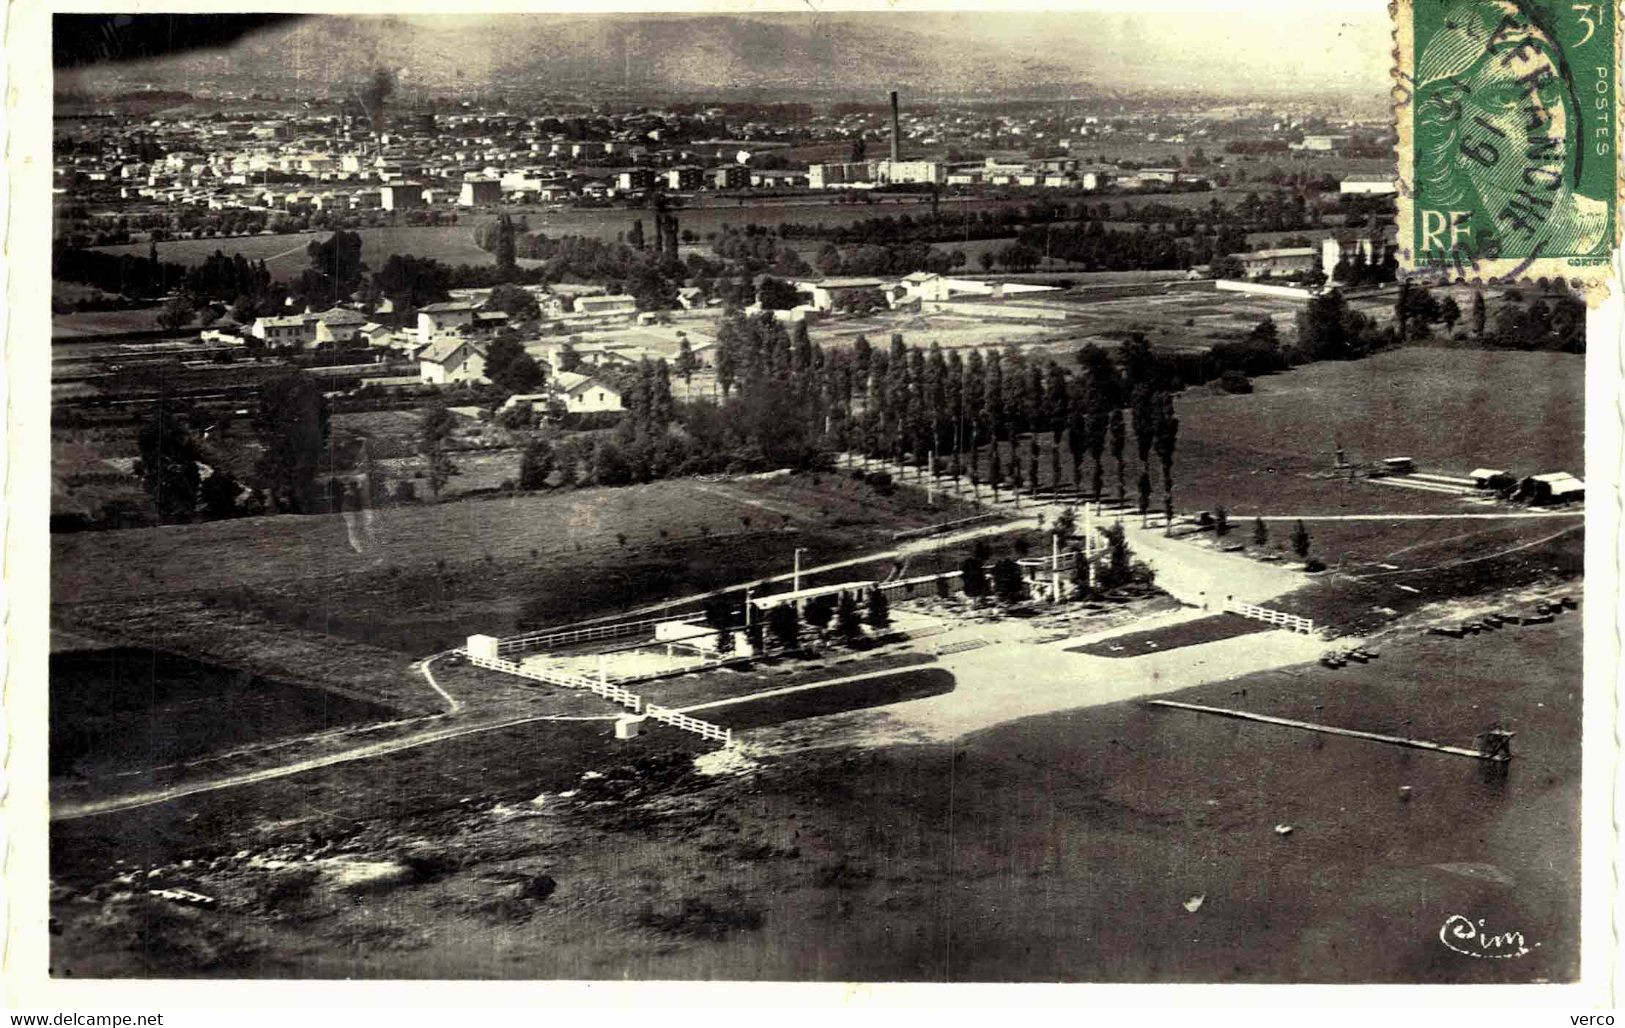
x,y
909,403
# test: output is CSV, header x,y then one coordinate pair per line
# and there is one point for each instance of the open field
x,y
1271,452
1058,848
949,330
1394,404
284,255
90,324
420,578
454,244
130,709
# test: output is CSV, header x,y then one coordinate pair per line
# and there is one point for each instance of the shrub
x,y
285,887
1233,381
425,864
1008,584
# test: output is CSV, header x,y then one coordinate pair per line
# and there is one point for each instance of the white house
x,y
1279,261
452,359
401,196
1369,185
826,293
479,191
293,330
583,394
440,318
338,325
374,334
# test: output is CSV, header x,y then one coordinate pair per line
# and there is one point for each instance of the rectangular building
x,y
477,191
401,196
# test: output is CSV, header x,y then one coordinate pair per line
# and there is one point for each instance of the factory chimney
x,y
896,130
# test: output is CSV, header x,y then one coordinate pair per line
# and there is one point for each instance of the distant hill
x,y
817,55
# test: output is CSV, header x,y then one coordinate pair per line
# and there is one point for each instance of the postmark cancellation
x,y
1508,118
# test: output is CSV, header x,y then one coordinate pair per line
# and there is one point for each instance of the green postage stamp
x,y
1508,118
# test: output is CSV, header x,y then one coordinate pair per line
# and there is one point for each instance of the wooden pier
x,y
1308,726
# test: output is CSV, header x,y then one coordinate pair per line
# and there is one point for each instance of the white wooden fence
x,y
705,729
944,526
607,690
1274,617
564,637
625,697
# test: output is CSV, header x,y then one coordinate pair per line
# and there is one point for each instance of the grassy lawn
x,y
125,708
285,256
1271,452
89,324
421,577
773,673
1530,405
874,692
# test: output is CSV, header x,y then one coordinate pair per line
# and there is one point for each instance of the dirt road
x,y
71,811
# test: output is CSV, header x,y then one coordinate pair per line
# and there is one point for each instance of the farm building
x,y
1322,144
925,285
704,351
1491,478
337,325
452,359
1282,261
401,196
1557,487
479,191
606,306
826,293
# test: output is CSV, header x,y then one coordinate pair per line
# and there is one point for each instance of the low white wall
x,y
1006,311
1231,285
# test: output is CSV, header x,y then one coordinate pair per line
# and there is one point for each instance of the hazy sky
x,y
1220,46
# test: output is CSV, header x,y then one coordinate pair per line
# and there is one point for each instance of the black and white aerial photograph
x,y
900,495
